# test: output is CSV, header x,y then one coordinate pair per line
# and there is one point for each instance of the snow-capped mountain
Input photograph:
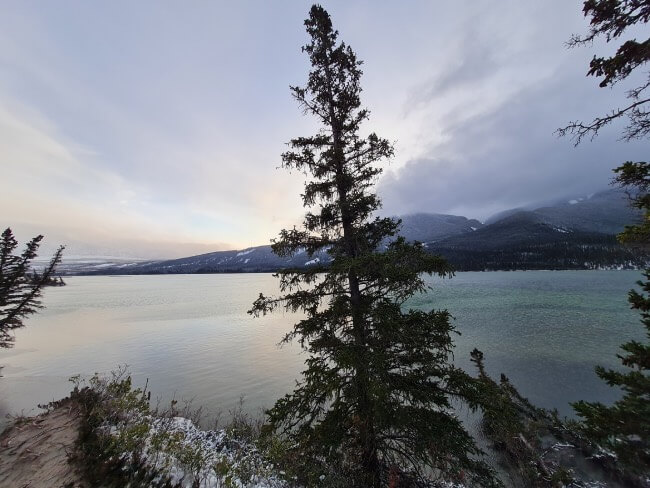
x,y
573,233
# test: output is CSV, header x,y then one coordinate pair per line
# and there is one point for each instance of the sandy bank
x,y
35,451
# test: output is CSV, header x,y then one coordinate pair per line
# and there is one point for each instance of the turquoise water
x,y
546,330
191,337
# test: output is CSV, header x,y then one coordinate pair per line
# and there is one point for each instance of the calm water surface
x,y
191,337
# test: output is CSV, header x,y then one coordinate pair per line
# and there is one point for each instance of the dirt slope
x,y
34,451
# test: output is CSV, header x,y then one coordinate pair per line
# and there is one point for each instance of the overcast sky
x,y
155,129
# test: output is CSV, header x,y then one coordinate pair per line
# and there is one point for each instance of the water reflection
x,y
191,337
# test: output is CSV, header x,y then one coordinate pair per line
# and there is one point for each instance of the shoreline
x,y
105,433
273,271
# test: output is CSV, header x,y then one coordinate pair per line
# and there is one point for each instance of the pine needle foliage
x,y
611,20
376,397
624,427
20,293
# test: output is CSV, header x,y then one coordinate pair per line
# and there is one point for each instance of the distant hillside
x,y
421,227
525,241
572,234
251,260
503,214
424,227
605,212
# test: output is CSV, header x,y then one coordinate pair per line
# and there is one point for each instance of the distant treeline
x,y
602,252
605,254
36,277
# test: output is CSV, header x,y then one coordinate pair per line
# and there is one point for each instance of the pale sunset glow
x,y
155,129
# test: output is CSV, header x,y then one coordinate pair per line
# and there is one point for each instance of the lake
x,y
191,337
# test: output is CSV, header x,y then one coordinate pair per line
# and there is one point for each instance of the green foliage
x,y
124,442
636,175
562,477
113,432
624,427
375,399
20,292
609,20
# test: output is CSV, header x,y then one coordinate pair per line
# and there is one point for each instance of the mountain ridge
x,y
576,233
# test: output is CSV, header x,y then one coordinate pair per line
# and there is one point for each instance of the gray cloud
x,y
475,66
136,123
508,155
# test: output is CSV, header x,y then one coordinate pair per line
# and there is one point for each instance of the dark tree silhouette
x,y
20,292
635,178
609,20
375,398
624,427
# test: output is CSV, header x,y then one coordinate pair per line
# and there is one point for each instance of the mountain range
x,y
575,233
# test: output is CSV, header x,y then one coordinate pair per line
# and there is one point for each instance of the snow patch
x,y
312,261
561,445
216,448
243,253
573,202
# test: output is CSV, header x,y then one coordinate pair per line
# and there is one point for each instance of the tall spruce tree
x,y
376,396
623,427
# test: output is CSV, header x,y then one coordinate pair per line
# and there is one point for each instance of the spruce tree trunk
x,y
369,459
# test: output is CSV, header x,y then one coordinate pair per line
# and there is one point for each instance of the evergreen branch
x,y
579,130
